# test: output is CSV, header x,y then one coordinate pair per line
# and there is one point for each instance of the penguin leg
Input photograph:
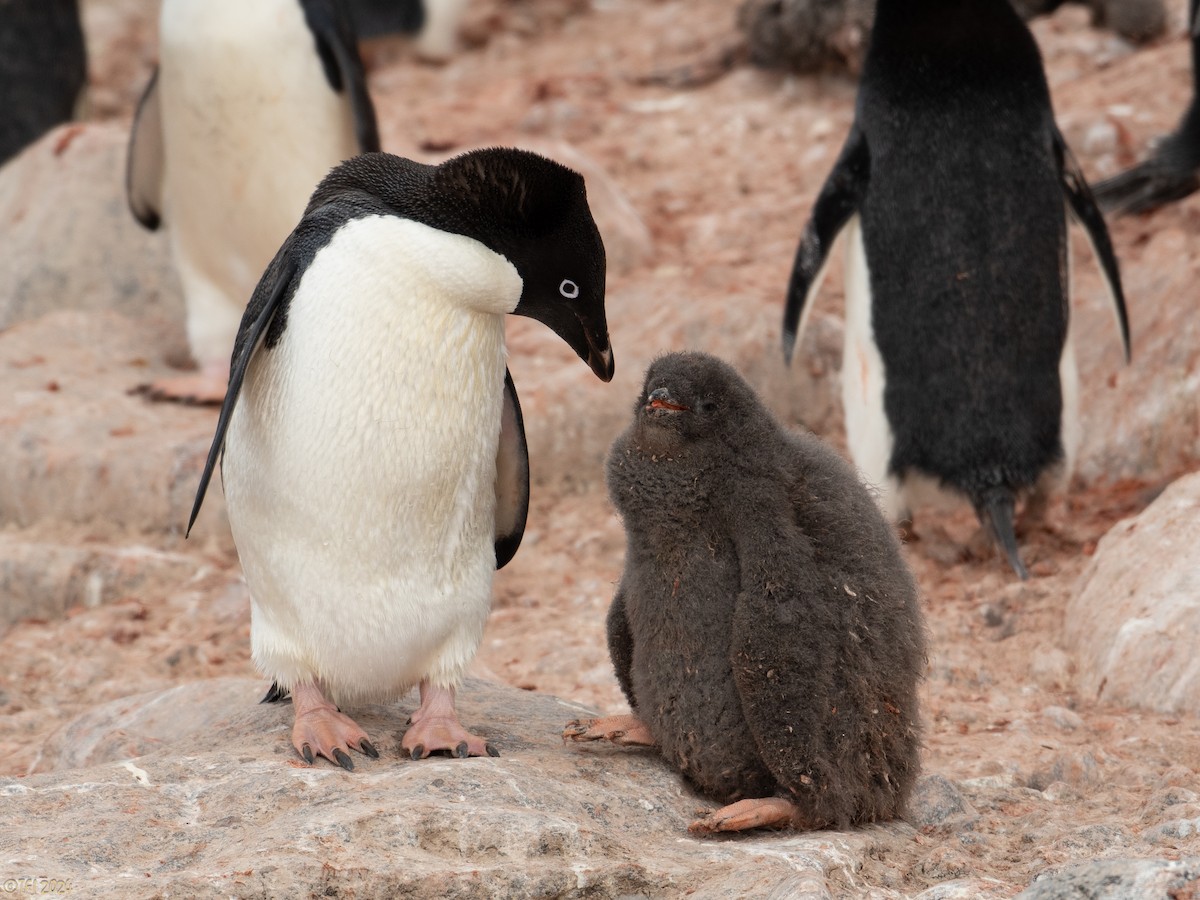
x,y
765,812
321,730
435,726
625,731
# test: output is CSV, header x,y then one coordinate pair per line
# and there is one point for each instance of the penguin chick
x,y
251,106
43,69
958,371
375,464
766,630
1172,170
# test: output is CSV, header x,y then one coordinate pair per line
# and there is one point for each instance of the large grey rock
x,y
69,240
225,808
1140,421
1119,879
79,448
44,577
1131,623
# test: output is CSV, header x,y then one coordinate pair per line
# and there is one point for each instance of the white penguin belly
x,y
868,433
250,126
360,462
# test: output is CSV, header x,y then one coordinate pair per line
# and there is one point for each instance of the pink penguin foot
x,y
320,730
766,812
435,726
625,731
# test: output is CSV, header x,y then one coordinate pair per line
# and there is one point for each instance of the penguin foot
x,y
321,730
625,731
766,812
202,388
434,726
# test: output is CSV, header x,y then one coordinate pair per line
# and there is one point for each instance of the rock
x,y
1134,20
807,35
70,242
1118,879
1062,718
79,448
1140,420
224,807
967,889
43,578
1070,768
140,724
1138,598
938,803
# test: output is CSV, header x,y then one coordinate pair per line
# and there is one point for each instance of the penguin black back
x,y
956,111
43,69
759,569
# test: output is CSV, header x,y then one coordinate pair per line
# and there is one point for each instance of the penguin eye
x,y
569,289
706,406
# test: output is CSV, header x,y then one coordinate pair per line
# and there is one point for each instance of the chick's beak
x,y
660,398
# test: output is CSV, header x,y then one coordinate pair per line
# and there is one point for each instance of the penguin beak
x,y
660,398
600,355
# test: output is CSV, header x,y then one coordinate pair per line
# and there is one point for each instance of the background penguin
x,y
766,630
432,23
1173,170
43,69
375,464
952,187
251,106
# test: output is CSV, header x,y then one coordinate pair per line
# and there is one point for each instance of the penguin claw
x,y
461,750
491,751
321,730
418,752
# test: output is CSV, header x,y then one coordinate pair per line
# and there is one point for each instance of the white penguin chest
x,y
368,435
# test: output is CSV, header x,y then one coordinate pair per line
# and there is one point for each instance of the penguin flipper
x,y
512,477
144,159
278,280
839,199
333,31
1087,213
620,644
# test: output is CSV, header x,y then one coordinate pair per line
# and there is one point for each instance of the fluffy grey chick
x,y
766,630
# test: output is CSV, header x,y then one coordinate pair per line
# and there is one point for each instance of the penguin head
x,y
694,398
534,212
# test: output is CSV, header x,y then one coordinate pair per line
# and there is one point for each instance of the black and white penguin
x,y
952,189
251,106
1172,171
766,630
433,24
375,465
43,69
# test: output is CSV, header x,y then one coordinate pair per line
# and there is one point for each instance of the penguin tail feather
x,y
275,694
996,510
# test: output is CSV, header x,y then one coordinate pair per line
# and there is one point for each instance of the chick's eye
x,y
707,406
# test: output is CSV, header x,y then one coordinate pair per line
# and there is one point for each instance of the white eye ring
x,y
569,289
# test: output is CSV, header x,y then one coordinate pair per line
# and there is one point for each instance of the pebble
x,y
938,802
1062,718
